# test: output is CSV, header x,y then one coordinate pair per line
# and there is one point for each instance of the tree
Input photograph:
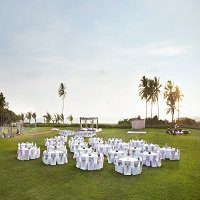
x,y
157,87
144,90
151,94
57,118
6,116
29,116
62,118
171,98
2,101
178,97
47,117
2,107
34,117
62,93
70,118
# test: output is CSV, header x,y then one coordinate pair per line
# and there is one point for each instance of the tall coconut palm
x,y
157,87
29,116
62,118
171,98
62,93
144,90
179,96
34,117
151,96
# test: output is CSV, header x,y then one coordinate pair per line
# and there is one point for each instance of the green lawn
x,y
33,180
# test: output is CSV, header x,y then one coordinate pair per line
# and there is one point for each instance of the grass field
x,y
32,180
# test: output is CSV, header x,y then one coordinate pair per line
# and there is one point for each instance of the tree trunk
x,y
151,111
63,110
146,109
158,109
178,111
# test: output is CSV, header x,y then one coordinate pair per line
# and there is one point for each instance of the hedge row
x,y
121,126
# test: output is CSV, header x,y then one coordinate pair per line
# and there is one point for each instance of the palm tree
x,y
28,116
62,93
178,97
171,98
34,117
70,118
157,87
47,117
57,118
62,118
144,90
151,96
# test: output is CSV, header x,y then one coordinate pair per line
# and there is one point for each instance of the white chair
x,y
38,152
45,158
83,163
65,158
91,164
119,167
19,154
32,153
99,163
177,154
78,162
167,153
158,160
162,152
136,168
53,158
109,158
172,155
62,157
26,154
154,161
127,168
147,162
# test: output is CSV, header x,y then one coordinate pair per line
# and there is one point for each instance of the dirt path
x,y
32,134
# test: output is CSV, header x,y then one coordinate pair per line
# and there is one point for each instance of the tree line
x,y
6,116
150,89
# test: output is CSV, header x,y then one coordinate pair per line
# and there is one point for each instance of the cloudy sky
x,y
100,49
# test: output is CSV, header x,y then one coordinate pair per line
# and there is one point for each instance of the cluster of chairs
x,y
56,152
28,151
85,155
128,157
66,133
128,167
170,153
75,143
85,133
90,161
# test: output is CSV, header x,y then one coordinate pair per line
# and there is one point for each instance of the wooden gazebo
x,y
89,122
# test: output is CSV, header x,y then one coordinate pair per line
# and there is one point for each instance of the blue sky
x,y
100,50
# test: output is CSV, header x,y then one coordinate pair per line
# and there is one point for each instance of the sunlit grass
x,y
34,180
